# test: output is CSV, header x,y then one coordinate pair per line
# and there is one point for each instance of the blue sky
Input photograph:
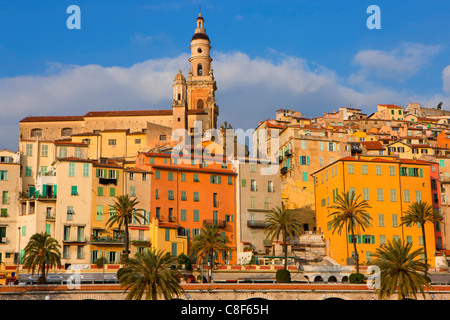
x,y
312,56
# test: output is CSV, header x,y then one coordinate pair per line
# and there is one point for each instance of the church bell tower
x,y
201,85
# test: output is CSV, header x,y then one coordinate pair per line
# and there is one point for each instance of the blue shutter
x,y
307,160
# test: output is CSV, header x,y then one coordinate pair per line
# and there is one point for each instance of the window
x,y
171,195
71,169
252,167
196,177
170,176
44,150
167,234
112,142
244,182
380,195
112,192
303,143
183,177
4,213
305,176
85,169
366,194
28,171
352,191
270,186
132,191
214,179
391,170
266,203
4,175
351,169
196,215
364,169
230,180
393,195
162,137
418,196
137,141
183,214
253,185
157,174
196,196
409,240
69,213
252,202
406,195
382,239
63,152
5,197
381,220
74,191
144,177
77,152
378,170
183,196
158,213
66,131
36,133
304,160
395,220
100,191
421,240
29,150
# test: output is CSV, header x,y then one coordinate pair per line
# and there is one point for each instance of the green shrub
x,y
283,276
356,278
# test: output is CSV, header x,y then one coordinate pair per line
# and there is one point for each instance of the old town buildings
x,y
68,171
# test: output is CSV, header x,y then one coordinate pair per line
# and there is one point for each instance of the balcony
x,y
77,240
288,153
218,223
107,240
256,223
267,243
142,242
50,216
283,170
107,181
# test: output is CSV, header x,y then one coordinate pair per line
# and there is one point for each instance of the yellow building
x,y
165,236
390,186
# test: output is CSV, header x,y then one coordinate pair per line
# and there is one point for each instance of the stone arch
x,y
318,279
344,279
199,69
332,279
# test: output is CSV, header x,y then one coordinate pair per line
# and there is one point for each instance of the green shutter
x,y
373,239
421,172
54,191
44,190
97,174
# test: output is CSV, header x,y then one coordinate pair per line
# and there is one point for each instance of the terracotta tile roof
x,y
391,106
372,145
52,118
128,113
71,143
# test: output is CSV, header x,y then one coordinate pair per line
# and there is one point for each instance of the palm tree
x,y
121,213
401,270
150,273
350,213
282,221
42,252
208,245
420,213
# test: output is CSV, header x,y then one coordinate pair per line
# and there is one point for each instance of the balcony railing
x,y
256,223
106,181
50,216
218,223
283,170
107,240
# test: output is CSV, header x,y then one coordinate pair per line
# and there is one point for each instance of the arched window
x,y
66,132
36,133
200,104
199,70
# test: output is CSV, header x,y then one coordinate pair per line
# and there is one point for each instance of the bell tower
x,y
201,85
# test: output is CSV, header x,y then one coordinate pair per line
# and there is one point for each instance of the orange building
x,y
190,195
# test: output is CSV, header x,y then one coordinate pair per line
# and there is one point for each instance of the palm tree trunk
x,y
126,241
285,251
356,252
425,247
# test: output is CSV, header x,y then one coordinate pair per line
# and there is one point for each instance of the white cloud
x,y
249,90
446,79
399,64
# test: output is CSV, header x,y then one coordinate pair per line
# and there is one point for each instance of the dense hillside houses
x,y
68,171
